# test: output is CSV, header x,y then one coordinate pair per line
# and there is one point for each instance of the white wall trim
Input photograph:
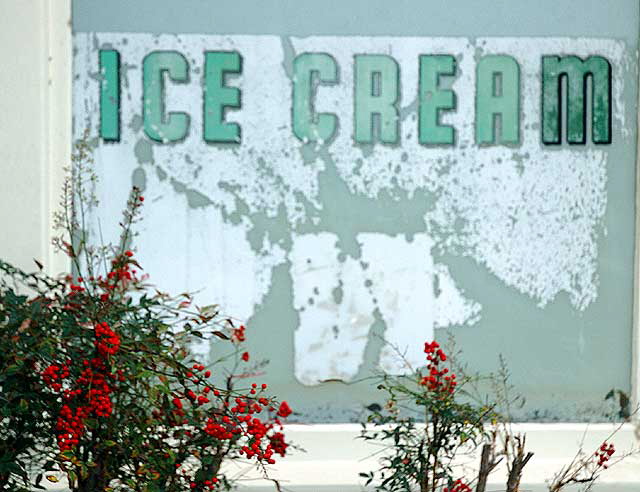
x,y
35,118
59,118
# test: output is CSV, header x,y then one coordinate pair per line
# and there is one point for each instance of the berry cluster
x,y
284,411
238,334
192,396
438,380
210,484
262,441
74,297
94,379
121,277
604,454
89,394
70,426
107,342
457,486
248,422
55,374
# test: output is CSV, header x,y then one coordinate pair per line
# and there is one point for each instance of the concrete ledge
x,y
334,457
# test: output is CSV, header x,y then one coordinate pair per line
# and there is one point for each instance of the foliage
x,y
98,384
419,456
422,456
586,468
24,407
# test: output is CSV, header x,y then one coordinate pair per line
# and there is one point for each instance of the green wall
x,y
564,360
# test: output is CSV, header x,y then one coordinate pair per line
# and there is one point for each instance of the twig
x,y
517,465
487,463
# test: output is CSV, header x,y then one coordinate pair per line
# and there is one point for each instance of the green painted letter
x,y
432,100
110,95
498,94
576,71
218,96
157,125
376,93
310,69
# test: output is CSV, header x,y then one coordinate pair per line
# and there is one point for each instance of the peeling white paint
x,y
266,171
451,307
531,215
534,225
198,251
331,336
394,276
401,275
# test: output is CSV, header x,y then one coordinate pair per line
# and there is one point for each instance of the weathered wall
x,y
525,252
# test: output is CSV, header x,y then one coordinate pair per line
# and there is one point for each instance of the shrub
x,y
419,457
98,383
430,419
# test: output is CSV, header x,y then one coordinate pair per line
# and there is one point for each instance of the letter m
x,y
576,71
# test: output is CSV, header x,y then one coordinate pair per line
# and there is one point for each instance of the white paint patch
x,y
334,326
401,276
338,302
198,251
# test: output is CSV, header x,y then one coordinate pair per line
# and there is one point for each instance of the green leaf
x,y
68,454
210,311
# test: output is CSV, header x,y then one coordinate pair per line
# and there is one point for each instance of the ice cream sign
x,y
376,96
363,182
